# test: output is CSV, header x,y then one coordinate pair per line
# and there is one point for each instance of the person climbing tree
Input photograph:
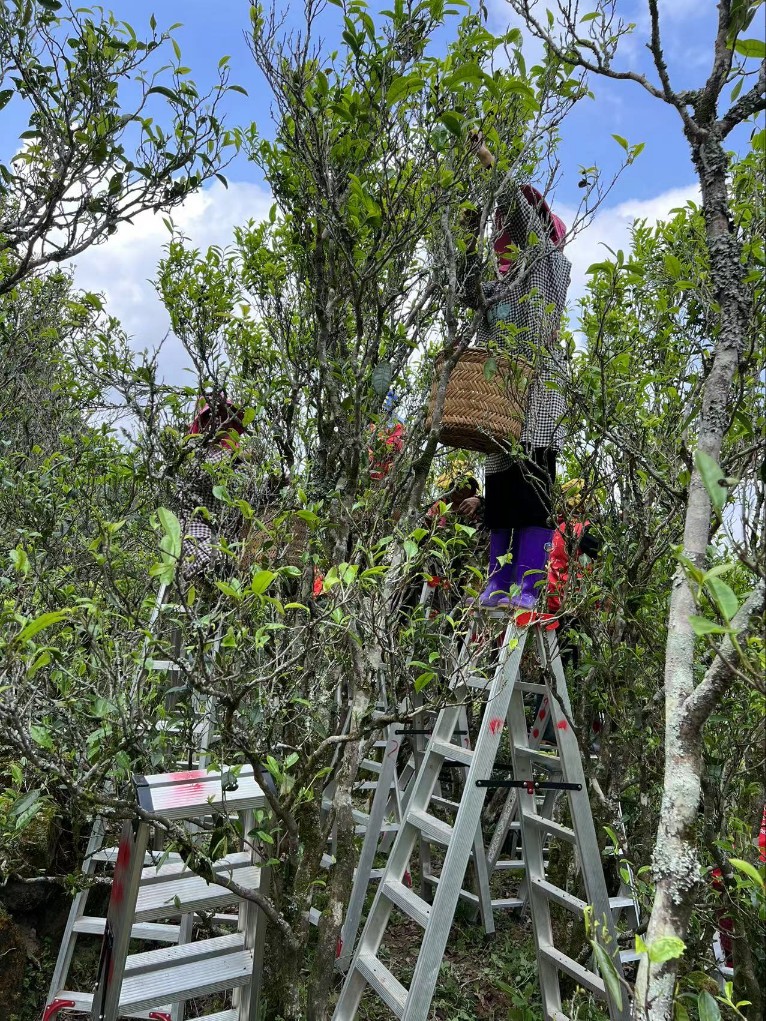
x,y
215,433
521,312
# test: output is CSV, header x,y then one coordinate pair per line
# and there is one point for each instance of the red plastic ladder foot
x,y
55,1006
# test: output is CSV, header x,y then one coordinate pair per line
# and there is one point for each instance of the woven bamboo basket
x,y
482,407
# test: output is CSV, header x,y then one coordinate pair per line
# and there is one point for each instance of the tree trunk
x,y
676,864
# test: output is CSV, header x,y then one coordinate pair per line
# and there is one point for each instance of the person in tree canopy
x,y
522,312
216,430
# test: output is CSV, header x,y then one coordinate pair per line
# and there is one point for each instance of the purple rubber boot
x,y
500,576
530,557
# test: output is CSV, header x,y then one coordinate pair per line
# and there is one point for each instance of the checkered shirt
x,y
530,298
198,553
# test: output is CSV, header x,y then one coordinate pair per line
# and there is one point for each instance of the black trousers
x,y
520,496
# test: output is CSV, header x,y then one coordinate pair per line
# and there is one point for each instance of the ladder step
x,y
109,855
507,904
94,926
477,682
221,1015
371,766
192,893
404,898
530,686
554,828
83,1004
377,975
179,869
628,956
184,980
445,803
452,751
544,759
554,893
184,953
189,793
622,901
430,826
587,979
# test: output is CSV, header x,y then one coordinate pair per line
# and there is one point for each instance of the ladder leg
x,y
533,841
367,854
76,911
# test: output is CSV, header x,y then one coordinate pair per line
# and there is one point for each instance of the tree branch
x,y
751,103
720,673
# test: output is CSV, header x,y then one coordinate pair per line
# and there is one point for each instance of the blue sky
x,y
661,178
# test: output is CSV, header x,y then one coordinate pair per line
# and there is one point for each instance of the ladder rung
x,y
183,953
187,794
404,898
377,975
179,869
93,926
192,894
109,854
445,803
544,759
587,979
554,828
430,826
183,981
620,902
507,904
83,1004
476,681
628,956
532,688
452,751
554,893
510,864
371,765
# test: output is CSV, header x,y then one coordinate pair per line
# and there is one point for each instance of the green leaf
x,y
621,141
34,627
707,1007
40,736
171,526
20,560
261,582
666,948
749,870
723,596
453,123
672,265
751,48
162,90
712,477
703,626
469,72
589,17
401,88
490,369
608,973
381,378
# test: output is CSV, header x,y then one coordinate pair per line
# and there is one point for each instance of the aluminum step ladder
x,y
531,769
152,984
100,854
367,970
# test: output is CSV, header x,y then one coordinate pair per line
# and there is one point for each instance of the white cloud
x,y
610,228
122,268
